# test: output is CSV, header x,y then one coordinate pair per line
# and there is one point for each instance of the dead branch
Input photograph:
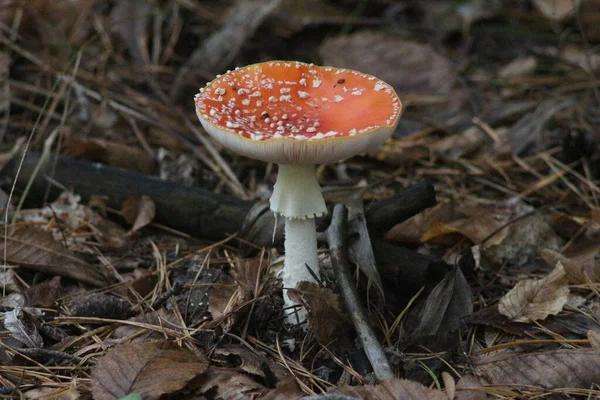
x,y
193,210
337,238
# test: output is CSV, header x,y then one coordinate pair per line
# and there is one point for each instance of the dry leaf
x,y
22,324
8,280
535,299
158,318
579,270
43,294
36,249
149,369
223,298
467,389
285,390
518,66
554,369
440,313
327,317
406,65
47,393
138,211
253,362
594,339
394,389
503,229
227,384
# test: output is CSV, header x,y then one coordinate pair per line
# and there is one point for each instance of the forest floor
x,y
139,258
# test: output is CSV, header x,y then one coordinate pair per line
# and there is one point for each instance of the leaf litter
x,y
495,288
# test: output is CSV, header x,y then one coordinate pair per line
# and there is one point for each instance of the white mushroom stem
x,y
297,196
300,252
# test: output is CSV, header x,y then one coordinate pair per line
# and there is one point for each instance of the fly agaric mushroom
x,y
298,115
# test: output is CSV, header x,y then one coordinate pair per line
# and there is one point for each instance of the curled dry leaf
x,y
22,324
149,369
503,229
579,270
394,389
138,211
535,299
406,65
36,249
564,368
440,313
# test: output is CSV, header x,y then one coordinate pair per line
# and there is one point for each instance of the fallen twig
x,y
337,238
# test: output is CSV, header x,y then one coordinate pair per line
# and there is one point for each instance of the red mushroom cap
x,y
296,113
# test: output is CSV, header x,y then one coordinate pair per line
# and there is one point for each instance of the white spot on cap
x,y
379,86
273,99
256,94
311,129
303,82
220,91
317,83
303,95
284,97
338,98
213,112
246,102
285,90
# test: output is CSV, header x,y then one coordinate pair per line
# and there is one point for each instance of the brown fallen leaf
x,y
467,389
43,294
285,390
253,362
35,249
48,393
149,369
503,230
394,389
565,368
138,211
327,316
535,299
228,384
579,270
223,298
408,66
158,318
594,339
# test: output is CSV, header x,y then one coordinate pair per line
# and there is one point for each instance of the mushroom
x,y
298,115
